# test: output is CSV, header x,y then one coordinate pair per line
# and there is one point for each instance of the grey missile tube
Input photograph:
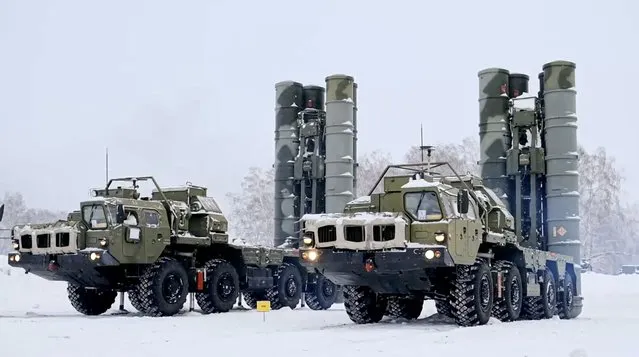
x,y
289,102
562,175
339,142
494,131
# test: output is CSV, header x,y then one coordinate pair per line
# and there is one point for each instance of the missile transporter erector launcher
x,y
315,163
158,249
505,244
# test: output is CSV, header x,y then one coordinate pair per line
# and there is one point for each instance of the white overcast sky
x,y
184,90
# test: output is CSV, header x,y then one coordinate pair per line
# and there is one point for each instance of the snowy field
x,y
37,320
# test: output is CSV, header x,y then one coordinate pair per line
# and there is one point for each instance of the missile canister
x,y
355,139
562,175
339,142
289,102
494,131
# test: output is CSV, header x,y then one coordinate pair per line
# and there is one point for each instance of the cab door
x,y
156,233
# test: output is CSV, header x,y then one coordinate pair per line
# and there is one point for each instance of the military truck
x,y
479,246
160,250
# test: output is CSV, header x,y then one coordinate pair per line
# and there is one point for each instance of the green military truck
x,y
160,250
448,239
504,243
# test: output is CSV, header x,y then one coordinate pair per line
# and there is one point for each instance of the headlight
x,y
311,255
16,258
429,254
16,246
440,237
94,256
308,239
103,242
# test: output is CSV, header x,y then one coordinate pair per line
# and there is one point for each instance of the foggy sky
x,y
184,90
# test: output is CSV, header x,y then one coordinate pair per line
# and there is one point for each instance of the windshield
x,y
423,206
96,216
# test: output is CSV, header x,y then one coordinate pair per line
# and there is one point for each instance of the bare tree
x,y
463,157
371,165
251,214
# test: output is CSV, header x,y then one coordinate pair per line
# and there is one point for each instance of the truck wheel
x,y
565,299
321,295
407,307
222,287
288,287
134,299
163,288
90,301
443,308
549,294
532,308
363,305
471,296
508,307
251,298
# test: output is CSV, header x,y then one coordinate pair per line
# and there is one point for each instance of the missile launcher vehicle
x,y
159,249
505,244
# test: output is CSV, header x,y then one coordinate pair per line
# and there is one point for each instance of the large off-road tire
x,y
471,294
163,288
407,307
252,297
321,295
532,308
363,305
549,294
508,307
443,308
90,301
135,301
566,299
221,288
288,287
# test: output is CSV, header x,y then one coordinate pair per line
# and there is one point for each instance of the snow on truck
x,y
505,244
158,249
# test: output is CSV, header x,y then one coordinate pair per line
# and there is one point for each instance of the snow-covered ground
x,y
37,320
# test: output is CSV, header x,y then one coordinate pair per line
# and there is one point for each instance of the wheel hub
x,y
515,290
290,287
225,286
327,288
172,288
484,292
550,294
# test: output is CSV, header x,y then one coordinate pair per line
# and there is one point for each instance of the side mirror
x,y
463,201
119,217
1,212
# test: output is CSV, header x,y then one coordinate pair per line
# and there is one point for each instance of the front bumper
x,y
83,268
390,272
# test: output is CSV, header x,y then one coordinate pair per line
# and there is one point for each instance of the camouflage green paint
x,y
339,142
289,99
494,130
560,129
355,139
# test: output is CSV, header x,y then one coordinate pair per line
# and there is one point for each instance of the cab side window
x,y
151,219
131,218
472,209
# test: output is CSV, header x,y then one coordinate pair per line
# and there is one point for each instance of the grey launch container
x,y
339,142
289,102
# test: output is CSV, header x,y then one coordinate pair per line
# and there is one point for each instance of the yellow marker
x,y
263,306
